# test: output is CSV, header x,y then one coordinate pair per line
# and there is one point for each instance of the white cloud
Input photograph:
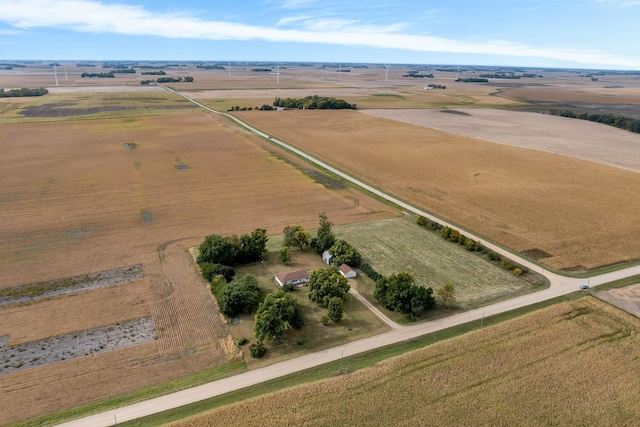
x,y
93,16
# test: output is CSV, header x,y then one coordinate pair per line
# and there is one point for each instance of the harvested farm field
x,y
84,197
569,364
559,135
576,214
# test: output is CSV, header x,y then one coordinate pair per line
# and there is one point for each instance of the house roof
x,y
345,269
288,276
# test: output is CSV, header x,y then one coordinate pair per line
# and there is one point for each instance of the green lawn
x,y
398,244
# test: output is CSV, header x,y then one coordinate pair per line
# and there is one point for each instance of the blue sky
x,y
537,33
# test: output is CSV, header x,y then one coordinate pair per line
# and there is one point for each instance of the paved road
x,y
560,285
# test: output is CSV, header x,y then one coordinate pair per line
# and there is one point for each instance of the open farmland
x,y
399,244
85,196
576,214
570,364
72,105
560,135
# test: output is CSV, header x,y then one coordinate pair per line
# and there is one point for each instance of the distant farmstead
x,y
297,278
347,271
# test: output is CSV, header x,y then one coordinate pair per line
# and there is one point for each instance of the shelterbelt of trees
x,y
626,123
313,102
25,91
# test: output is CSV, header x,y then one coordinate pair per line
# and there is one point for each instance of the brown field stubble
x,y
580,212
570,364
75,201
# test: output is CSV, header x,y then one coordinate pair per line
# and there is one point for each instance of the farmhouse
x,y
347,271
297,278
326,257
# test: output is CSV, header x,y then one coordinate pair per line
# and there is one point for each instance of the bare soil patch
x,y
627,298
559,135
579,212
35,291
74,345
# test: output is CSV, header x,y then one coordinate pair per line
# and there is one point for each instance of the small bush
x,y
297,321
517,272
325,320
258,350
493,256
507,264
288,287
242,341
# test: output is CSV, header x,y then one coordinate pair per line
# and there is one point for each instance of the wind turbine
x,y
55,73
66,76
386,74
278,73
229,68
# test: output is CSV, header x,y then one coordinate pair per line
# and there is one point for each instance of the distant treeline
x,y
10,66
25,91
153,73
212,67
626,123
124,71
187,79
84,65
472,80
418,75
314,102
98,75
261,70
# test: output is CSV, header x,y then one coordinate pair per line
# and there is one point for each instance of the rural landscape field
x,y
107,185
554,366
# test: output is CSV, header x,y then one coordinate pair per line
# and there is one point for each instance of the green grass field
x,y
398,244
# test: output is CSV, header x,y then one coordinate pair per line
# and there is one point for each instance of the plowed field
x,y
579,213
86,196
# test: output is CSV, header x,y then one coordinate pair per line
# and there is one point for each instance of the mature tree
x,y
325,237
274,315
227,272
296,235
239,296
284,255
297,321
344,253
327,283
218,283
216,250
398,292
209,270
446,294
251,247
335,311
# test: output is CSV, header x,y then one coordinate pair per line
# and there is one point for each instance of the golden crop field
x,y
571,364
579,213
87,196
